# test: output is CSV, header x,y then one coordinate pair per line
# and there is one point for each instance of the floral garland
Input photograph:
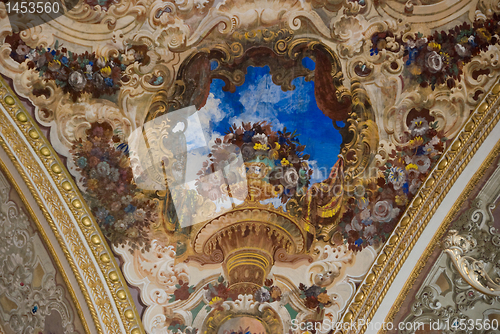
x,y
315,297
439,58
372,218
258,141
110,192
269,293
182,292
75,73
220,292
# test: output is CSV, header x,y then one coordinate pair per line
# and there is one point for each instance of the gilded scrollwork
x,y
178,40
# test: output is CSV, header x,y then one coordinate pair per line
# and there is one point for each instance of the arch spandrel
x,y
409,123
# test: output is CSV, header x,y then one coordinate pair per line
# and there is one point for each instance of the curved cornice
x,y
84,246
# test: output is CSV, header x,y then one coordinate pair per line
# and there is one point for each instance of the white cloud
x,y
265,91
319,173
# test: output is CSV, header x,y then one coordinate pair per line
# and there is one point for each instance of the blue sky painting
x,y
259,99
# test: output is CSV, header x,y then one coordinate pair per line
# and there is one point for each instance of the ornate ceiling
x,y
263,166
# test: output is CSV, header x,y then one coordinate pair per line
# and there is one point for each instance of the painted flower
x,y
129,219
415,185
92,184
81,162
411,166
98,80
103,169
215,301
106,71
397,177
416,43
248,152
130,208
109,219
434,46
23,50
434,62
121,188
384,212
120,225
247,136
291,178
77,80
365,214
101,62
114,175
273,154
260,138
401,200
262,295
370,231
423,162
109,82
260,147
54,65
140,214
285,162
355,225
461,50
126,199
116,206
415,69
430,150
275,293
419,126
102,213
41,61
416,142
324,298
313,291
367,222
363,203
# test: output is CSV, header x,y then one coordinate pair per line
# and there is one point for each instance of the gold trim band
x,y
46,241
419,212
44,177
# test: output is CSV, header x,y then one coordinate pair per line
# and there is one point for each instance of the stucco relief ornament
x,y
475,272
19,259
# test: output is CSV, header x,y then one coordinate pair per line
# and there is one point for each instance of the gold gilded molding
x,y
101,282
420,211
450,217
46,241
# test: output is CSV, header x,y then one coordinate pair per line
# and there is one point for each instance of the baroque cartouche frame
x,y
91,259
360,133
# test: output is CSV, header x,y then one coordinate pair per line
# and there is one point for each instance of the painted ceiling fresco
x,y
248,161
